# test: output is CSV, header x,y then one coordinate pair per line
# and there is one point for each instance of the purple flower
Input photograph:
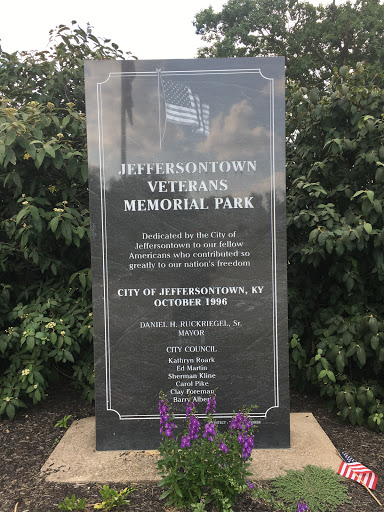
x,y
247,442
249,483
167,426
185,442
240,422
190,408
302,506
211,405
194,427
223,447
210,431
193,432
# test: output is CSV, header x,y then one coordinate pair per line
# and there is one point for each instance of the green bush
x,y
45,284
335,168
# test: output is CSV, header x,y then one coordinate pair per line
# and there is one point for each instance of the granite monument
x,y
187,202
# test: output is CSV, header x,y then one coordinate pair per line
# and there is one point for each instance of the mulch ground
x,y
26,443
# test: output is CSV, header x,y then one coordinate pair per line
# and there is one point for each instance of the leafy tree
x,y
313,39
45,280
335,168
55,75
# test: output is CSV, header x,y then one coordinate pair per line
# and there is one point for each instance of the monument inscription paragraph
x,y
187,201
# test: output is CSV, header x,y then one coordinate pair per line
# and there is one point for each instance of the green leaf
x,y
375,342
351,350
2,151
17,180
350,283
314,96
165,494
360,352
31,148
30,342
68,356
40,154
83,280
359,415
352,416
313,234
362,399
3,345
10,410
177,489
358,193
368,227
339,248
36,218
366,207
65,121
54,223
21,214
340,363
370,396
59,160
66,230
349,399
84,172
49,150
373,325
379,176
81,231
370,195
340,397
9,157
345,413
377,206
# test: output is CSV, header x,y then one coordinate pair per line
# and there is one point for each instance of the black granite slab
x,y
187,194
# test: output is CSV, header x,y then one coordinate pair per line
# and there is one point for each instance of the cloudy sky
x,y
150,29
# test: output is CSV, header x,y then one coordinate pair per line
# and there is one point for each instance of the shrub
x,y
45,285
335,162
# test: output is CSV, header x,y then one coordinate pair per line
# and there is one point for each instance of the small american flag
x,y
352,469
183,107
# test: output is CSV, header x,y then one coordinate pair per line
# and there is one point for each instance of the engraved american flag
x,y
184,107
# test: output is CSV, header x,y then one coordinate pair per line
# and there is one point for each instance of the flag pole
x,y
360,481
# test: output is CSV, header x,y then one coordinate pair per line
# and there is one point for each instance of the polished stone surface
x,y
187,192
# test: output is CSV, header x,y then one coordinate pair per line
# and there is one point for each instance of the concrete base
x,y
75,460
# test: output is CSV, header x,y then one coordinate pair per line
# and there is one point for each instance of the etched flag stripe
x,y
179,114
203,116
